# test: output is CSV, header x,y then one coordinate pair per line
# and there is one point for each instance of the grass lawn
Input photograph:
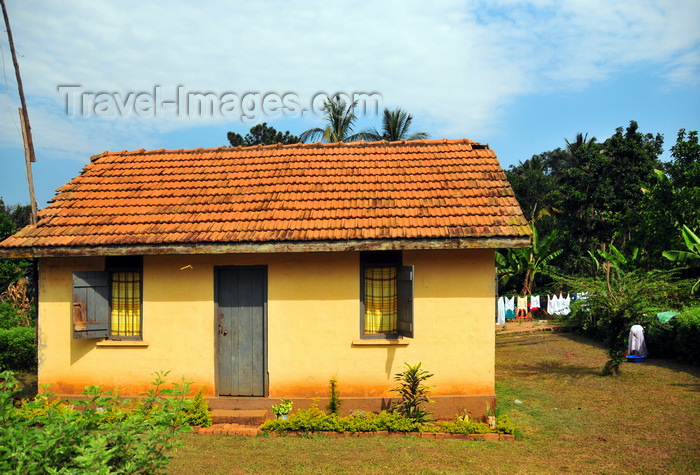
x,y
571,420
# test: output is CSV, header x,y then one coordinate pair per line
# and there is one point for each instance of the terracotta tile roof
x,y
419,190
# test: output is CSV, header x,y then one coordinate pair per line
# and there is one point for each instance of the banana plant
x,y
527,263
619,260
691,257
615,260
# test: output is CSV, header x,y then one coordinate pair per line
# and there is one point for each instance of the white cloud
x,y
456,64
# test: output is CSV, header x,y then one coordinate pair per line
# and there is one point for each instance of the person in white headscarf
x,y
636,344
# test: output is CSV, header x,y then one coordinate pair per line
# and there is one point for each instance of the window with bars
x,y
386,295
107,304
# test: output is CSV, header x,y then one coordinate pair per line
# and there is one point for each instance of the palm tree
x,y
395,127
574,149
535,164
340,117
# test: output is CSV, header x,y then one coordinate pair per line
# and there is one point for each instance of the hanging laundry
x,y
522,306
560,304
565,305
583,296
534,303
510,308
501,311
552,305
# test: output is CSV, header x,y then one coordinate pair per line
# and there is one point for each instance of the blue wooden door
x,y
241,298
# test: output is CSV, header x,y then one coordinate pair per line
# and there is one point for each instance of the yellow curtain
x,y
380,299
126,304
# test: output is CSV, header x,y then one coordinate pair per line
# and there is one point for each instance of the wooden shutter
x,y
91,304
404,277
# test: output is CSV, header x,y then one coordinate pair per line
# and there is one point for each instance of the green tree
x,y
261,134
341,118
599,188
669,202
684,170
533,184
13,218
396,124
684,173
633,158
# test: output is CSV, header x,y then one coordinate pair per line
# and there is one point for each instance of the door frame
x,y
217,271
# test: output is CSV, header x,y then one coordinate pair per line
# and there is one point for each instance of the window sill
x,y
381,342
122,343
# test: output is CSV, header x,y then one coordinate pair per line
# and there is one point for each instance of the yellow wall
x,y
313,325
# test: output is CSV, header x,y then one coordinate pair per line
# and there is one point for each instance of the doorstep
x,y
244,417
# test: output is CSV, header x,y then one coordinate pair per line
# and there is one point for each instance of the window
x,y
386,295
107,304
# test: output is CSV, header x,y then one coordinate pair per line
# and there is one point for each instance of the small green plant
x,y
283,408
413,392
334,400
197,411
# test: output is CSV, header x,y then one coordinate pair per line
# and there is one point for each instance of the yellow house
x,y
263,272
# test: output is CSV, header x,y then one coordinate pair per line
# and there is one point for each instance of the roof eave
x,y
268,247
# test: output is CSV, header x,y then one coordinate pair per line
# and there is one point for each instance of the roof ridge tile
x,y
356,144
423,189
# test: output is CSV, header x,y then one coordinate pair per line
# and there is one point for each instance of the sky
x,y
521,76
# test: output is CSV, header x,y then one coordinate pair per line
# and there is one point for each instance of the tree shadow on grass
x,y
676,366
555,368
584,340
513,341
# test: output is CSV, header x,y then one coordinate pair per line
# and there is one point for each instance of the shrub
x,y
109,434
462,425
503,425
18,349
197,411
315,420
687,335
9,316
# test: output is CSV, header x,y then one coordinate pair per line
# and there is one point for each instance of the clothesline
x,y
508,308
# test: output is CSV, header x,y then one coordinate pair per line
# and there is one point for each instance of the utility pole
x,y
24,118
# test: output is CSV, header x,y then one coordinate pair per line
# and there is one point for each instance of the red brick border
x,y
238,429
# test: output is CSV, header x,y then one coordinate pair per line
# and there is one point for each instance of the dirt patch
x,y
521,326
